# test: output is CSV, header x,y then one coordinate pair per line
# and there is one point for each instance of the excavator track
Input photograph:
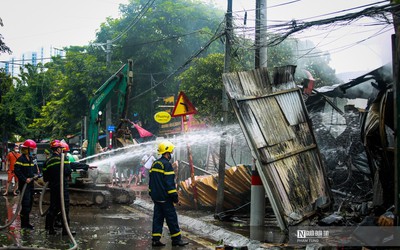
x,y
121,195
88,194
102,198
89,197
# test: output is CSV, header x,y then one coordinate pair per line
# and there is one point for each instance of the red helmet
x,y
55,144
65,146
29,144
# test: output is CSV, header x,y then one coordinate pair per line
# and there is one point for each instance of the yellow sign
x,y
169,99
162,117
183,106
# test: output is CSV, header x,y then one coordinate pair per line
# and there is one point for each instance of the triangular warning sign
x,y
183,106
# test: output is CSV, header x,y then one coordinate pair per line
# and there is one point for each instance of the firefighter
x,y
163,192
51,174
74,165
25,170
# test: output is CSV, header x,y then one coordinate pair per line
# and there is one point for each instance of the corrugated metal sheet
x,y
276,124
237,189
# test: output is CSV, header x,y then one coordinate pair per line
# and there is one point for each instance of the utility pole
x,y
257,208
108,105
261,34
222,151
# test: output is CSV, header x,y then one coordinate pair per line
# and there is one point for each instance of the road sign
x,y
183,106
162,117
111,128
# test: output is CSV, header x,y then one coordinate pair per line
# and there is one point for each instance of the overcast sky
x,y
31,25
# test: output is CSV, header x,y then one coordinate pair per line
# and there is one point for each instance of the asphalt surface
x,y
118,227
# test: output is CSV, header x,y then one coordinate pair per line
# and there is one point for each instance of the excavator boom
x,y
118,84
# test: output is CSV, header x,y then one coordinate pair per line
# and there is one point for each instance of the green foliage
x,y
49,101
202,83
7,112
3,46
71,81
166,36
302,54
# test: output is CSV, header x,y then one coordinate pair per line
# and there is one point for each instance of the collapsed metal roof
x,y
278,130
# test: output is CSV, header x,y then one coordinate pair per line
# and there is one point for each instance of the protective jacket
x,y
162,181
24,168
51,172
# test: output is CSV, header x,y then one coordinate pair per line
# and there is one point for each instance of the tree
x,y
7,121
203,83
203,80
72,82
301,53
3,47
161,40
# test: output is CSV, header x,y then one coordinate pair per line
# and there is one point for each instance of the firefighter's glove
x,y
175,199
386,219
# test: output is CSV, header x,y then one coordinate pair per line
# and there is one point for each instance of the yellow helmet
x,y
165,147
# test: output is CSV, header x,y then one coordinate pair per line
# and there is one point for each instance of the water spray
x,y
210,136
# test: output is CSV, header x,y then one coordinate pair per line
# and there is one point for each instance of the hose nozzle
x,y
37,176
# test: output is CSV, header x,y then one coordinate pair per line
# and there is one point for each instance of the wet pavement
x,y
116,227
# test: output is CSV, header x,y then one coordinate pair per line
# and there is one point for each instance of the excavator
x,y
91,186
119,85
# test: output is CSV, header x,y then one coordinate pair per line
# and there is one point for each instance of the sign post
x,y
183,107
110,129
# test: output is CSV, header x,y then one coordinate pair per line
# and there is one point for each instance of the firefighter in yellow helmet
x,y
162,190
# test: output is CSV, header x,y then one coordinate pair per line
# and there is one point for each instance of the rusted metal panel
x,y
276,124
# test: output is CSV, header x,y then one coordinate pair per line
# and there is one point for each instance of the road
x,y
121,227
116,227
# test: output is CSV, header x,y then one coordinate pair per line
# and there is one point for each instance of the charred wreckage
x,y
349,178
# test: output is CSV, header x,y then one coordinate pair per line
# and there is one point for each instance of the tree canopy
x,y
174,44
3,47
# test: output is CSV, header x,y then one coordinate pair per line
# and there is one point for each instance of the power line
x,y
195,55
345,47
294,27
135,20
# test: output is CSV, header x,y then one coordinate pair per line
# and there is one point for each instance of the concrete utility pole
x,y
261,34
222,151
257,208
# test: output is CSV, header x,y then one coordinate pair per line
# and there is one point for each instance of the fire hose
x,y
63,212
41,200
19,204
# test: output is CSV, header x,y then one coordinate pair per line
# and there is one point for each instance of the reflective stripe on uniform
x,y
47,166
169,173
25,164
156,234
158,162
172,191
54,163
157,170
176,234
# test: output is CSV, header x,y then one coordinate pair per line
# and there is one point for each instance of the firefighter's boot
x,y
25,222
50,224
